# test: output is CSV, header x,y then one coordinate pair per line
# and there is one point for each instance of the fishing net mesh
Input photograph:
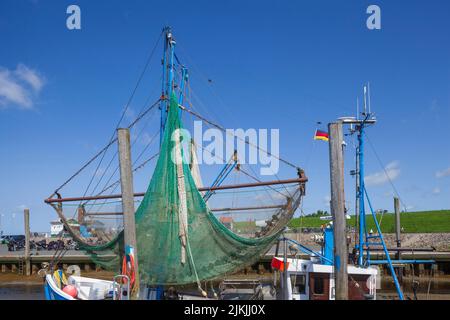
x,y
212,247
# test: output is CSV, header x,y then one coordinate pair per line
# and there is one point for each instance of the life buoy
x,y
129,271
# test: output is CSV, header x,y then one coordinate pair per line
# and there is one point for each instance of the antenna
x,y
368,95
357,108
365,100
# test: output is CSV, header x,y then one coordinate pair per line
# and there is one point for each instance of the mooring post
x,y
285,275
338,209
126,183
397,221
398,228
357,196
26,218
81,213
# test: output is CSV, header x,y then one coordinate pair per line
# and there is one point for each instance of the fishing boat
x,y
313,279
174,238
86,288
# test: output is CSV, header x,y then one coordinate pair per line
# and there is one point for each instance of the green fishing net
x,y
212,249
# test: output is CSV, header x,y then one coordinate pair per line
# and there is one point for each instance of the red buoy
x,y
71,291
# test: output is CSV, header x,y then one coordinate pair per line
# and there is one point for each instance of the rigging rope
x,y
385,172
125,110
117,167
248,174
193,113
140,116
134,170
247,142
112,139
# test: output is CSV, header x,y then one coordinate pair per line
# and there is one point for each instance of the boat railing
x,y
121,289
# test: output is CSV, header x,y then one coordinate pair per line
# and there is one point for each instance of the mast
x,y
367,241
359,195
163,106
357,184
184,79
167,77
171,42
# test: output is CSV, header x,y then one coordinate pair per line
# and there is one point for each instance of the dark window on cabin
x,y
298,284
318,285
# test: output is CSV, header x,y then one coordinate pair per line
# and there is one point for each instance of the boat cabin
x,y
311,280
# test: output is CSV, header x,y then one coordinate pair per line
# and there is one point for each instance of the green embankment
x,y
412,222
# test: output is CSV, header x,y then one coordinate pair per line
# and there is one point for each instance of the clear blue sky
x,y
274,64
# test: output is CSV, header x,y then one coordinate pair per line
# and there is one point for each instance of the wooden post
x,y
26,218
338,210
126,182
34,269
81,214
285,274
397,221
398,227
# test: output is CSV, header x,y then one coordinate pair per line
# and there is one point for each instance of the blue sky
x,y
273,64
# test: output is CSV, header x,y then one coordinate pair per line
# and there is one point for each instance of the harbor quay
x,y
14,261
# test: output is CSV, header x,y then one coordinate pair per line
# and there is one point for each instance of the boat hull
x,y
53,292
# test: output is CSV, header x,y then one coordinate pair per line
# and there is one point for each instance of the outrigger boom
x,y
301,179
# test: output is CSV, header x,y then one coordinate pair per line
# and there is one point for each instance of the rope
x,y
258,180
356,285
123,115
84,166
112,140
117,168
192,112
140,116
385,172
199,285
247,174
101,151
247,142
134,170
130,272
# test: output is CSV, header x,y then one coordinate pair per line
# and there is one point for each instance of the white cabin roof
x,y
302,265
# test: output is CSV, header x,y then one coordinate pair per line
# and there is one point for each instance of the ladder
x,y
21,265
378,240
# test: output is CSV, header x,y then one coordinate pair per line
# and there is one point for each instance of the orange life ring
x,y
130,272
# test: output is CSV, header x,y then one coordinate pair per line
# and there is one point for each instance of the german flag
x,y
321,135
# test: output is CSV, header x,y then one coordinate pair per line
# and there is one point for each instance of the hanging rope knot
x,y
203,292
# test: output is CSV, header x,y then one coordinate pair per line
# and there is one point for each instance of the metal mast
x,y
167,77
366,241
